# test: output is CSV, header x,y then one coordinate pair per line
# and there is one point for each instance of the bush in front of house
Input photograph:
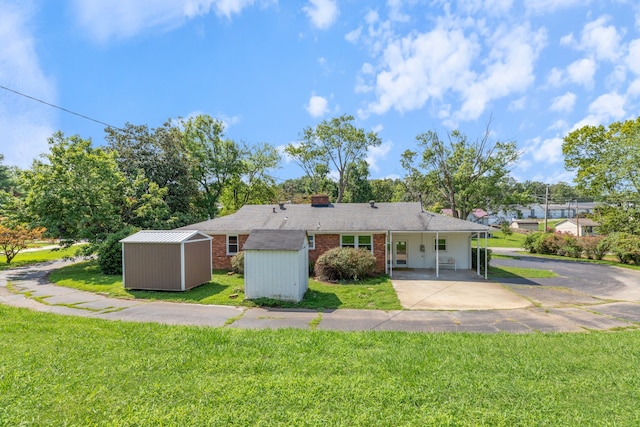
x,y
345,264
483,253
110,251
237,263
543,243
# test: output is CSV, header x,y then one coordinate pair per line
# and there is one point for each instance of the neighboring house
x,y
536,210
479,216
400,235
579,227
524,224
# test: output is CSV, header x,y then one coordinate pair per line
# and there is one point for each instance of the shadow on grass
x,y
196,295
313,299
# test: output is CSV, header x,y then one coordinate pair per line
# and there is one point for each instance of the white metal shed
x,y
276,264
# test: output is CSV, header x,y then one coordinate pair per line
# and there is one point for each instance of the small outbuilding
x,y
577,227
166,260
524,224
276,264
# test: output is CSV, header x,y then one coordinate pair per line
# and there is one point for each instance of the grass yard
x,y
34,257
503,272
377,293
59,370
499,240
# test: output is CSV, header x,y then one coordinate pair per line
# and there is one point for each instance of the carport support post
x,y
437,256
390,248
478,253
486,255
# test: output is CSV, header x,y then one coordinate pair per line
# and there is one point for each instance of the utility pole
x,y
577,220
546,206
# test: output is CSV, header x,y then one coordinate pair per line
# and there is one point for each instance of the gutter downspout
x,y
391,257
486,255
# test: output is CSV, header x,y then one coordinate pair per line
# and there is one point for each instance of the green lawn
x,y
503,272
59,370
499,240
34,257
377,293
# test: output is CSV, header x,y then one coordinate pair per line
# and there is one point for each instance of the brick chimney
x,y
320,200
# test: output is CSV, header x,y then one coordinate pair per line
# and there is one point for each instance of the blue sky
x,y
537,68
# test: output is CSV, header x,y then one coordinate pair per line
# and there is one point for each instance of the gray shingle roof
x,y
283,240
339,217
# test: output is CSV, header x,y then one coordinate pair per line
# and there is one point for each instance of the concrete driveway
x,y
453,290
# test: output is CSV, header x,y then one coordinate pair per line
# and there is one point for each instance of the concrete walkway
x,y
29,288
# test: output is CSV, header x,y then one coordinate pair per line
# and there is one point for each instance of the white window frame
x,y
356,240
237,244
436,244
311,238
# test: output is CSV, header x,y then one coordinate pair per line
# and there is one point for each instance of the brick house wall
x,y
220,259
323,242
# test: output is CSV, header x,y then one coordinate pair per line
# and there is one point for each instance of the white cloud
x,y
317,106
421,66
323,13
353,36
25,124
601,40
121,19
563,103
582,71
510,69
548,6
634,88
375,154
609,106
547,150
633,59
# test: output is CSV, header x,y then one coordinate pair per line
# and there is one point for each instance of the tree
x,y
359,190
255,184
464,175
77,192
214,161
336,142
606,160
15,239
158,156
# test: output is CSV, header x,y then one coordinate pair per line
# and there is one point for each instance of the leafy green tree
x,y
606,160
255,184
462,174
214,161
77,192
382,190
359,190
337,143
160,155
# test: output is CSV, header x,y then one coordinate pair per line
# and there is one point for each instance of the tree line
x,y
187,171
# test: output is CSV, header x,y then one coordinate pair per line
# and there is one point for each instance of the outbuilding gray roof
x,y
165,236
586,222
336,218
282,240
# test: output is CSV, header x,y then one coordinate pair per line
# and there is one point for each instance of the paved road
x,y
614,304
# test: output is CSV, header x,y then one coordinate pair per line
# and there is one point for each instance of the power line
x,y
60,108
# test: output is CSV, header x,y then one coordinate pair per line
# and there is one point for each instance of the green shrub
x,y
237,263
626,247
569,245
110,251
474,258
594,247
345,264
543,243
506,228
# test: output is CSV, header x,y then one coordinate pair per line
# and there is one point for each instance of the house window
x,y
362,242
232,245
440,244
312,241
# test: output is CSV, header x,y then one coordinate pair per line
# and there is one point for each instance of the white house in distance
x,y
536,211
577,227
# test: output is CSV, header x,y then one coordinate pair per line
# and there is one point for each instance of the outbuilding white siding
x,y
282,275
276,264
